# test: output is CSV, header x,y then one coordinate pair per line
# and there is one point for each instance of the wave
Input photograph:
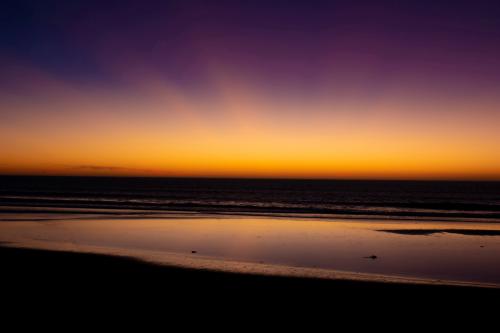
x,y
350,199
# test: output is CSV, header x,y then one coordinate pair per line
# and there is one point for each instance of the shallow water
x,y
433,250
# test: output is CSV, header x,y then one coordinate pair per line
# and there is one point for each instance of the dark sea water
x,y
464,201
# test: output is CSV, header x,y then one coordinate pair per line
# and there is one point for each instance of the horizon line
x,y
259,178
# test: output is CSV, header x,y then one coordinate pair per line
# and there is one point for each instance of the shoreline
x,y
124,213
227,266
409,253
22,257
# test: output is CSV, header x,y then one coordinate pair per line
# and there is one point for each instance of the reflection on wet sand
x,y
411,250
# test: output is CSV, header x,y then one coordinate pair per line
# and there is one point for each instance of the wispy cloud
x,y
106,168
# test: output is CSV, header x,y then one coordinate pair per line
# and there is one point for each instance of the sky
x,y
286,89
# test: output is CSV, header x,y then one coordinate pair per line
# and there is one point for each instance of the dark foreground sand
x,y
67,291
70,278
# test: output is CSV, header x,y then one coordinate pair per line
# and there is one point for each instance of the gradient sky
x,y
309,89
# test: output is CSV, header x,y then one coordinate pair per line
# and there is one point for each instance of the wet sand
x,y
73,277
258,270
460,254
71,290
426,232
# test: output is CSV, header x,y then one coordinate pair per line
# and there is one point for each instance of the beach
x,y
70,290
430,253
73,278
228,267
124,242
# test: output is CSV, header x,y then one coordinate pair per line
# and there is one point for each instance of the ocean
x,y
413,200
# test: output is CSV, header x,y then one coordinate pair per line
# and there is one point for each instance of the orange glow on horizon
x,y
240,131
